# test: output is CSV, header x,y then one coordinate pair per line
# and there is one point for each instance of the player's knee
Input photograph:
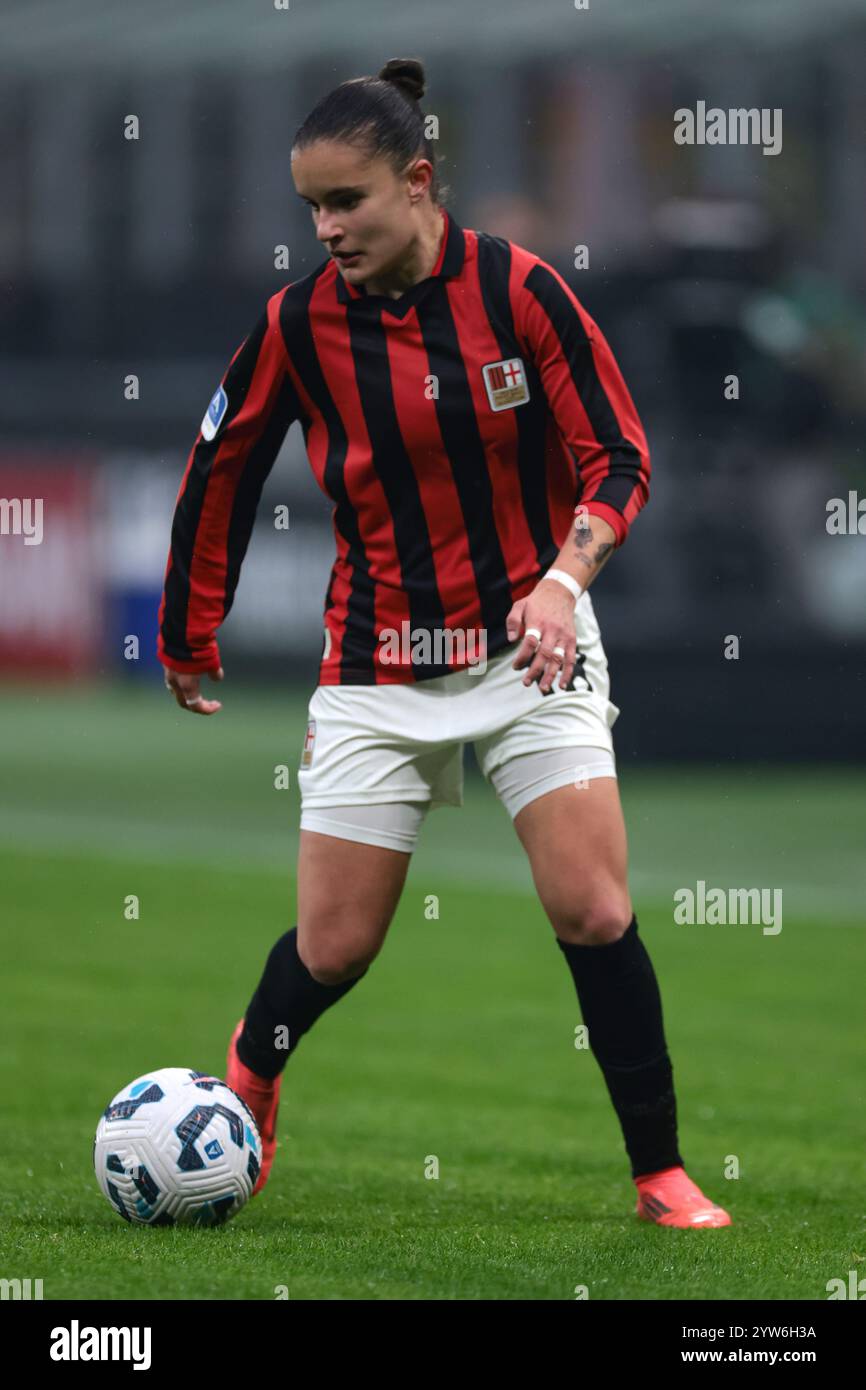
x,y
599,921
337,975
334,964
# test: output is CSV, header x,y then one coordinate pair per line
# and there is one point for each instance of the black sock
x,y
621,1006
287,998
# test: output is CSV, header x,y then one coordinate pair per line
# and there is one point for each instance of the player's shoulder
x,y
287,310
500,250
522,266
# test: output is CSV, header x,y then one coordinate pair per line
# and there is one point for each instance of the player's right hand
x,y
185,688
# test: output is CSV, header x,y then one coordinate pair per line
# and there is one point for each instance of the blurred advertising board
x,y
50,565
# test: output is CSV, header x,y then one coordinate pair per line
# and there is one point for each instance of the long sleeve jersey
x,y
454,428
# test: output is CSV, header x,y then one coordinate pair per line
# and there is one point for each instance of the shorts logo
x,y
309,740
506,383
214,414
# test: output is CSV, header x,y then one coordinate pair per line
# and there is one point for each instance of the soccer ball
x,y
177,1147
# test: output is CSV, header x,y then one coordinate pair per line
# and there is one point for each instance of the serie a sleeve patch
x,y
215,413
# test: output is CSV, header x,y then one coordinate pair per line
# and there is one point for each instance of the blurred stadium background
x,y
154,257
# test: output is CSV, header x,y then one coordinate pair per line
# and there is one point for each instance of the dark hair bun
x,y
407,74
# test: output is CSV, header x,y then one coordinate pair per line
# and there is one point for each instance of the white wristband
x,y
563,578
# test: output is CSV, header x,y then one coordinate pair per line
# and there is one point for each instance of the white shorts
x,y
376,758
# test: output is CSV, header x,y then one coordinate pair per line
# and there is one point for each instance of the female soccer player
x,y
484,457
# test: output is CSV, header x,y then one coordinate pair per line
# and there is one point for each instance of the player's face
x,y
361,210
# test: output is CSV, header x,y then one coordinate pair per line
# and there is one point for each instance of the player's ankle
x,y
660,1172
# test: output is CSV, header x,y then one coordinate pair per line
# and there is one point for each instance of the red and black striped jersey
x,y
454,428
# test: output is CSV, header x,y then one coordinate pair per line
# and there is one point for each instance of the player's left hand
x,y
545,621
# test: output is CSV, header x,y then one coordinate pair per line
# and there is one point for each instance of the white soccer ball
x,y
177,1147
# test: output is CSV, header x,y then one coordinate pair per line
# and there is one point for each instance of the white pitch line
x,y
254,850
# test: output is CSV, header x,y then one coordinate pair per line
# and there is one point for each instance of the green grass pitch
x,y
459,1043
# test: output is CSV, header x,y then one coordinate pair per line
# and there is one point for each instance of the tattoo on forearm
x,y
582,539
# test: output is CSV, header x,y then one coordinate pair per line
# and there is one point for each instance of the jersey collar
x,y
450,262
